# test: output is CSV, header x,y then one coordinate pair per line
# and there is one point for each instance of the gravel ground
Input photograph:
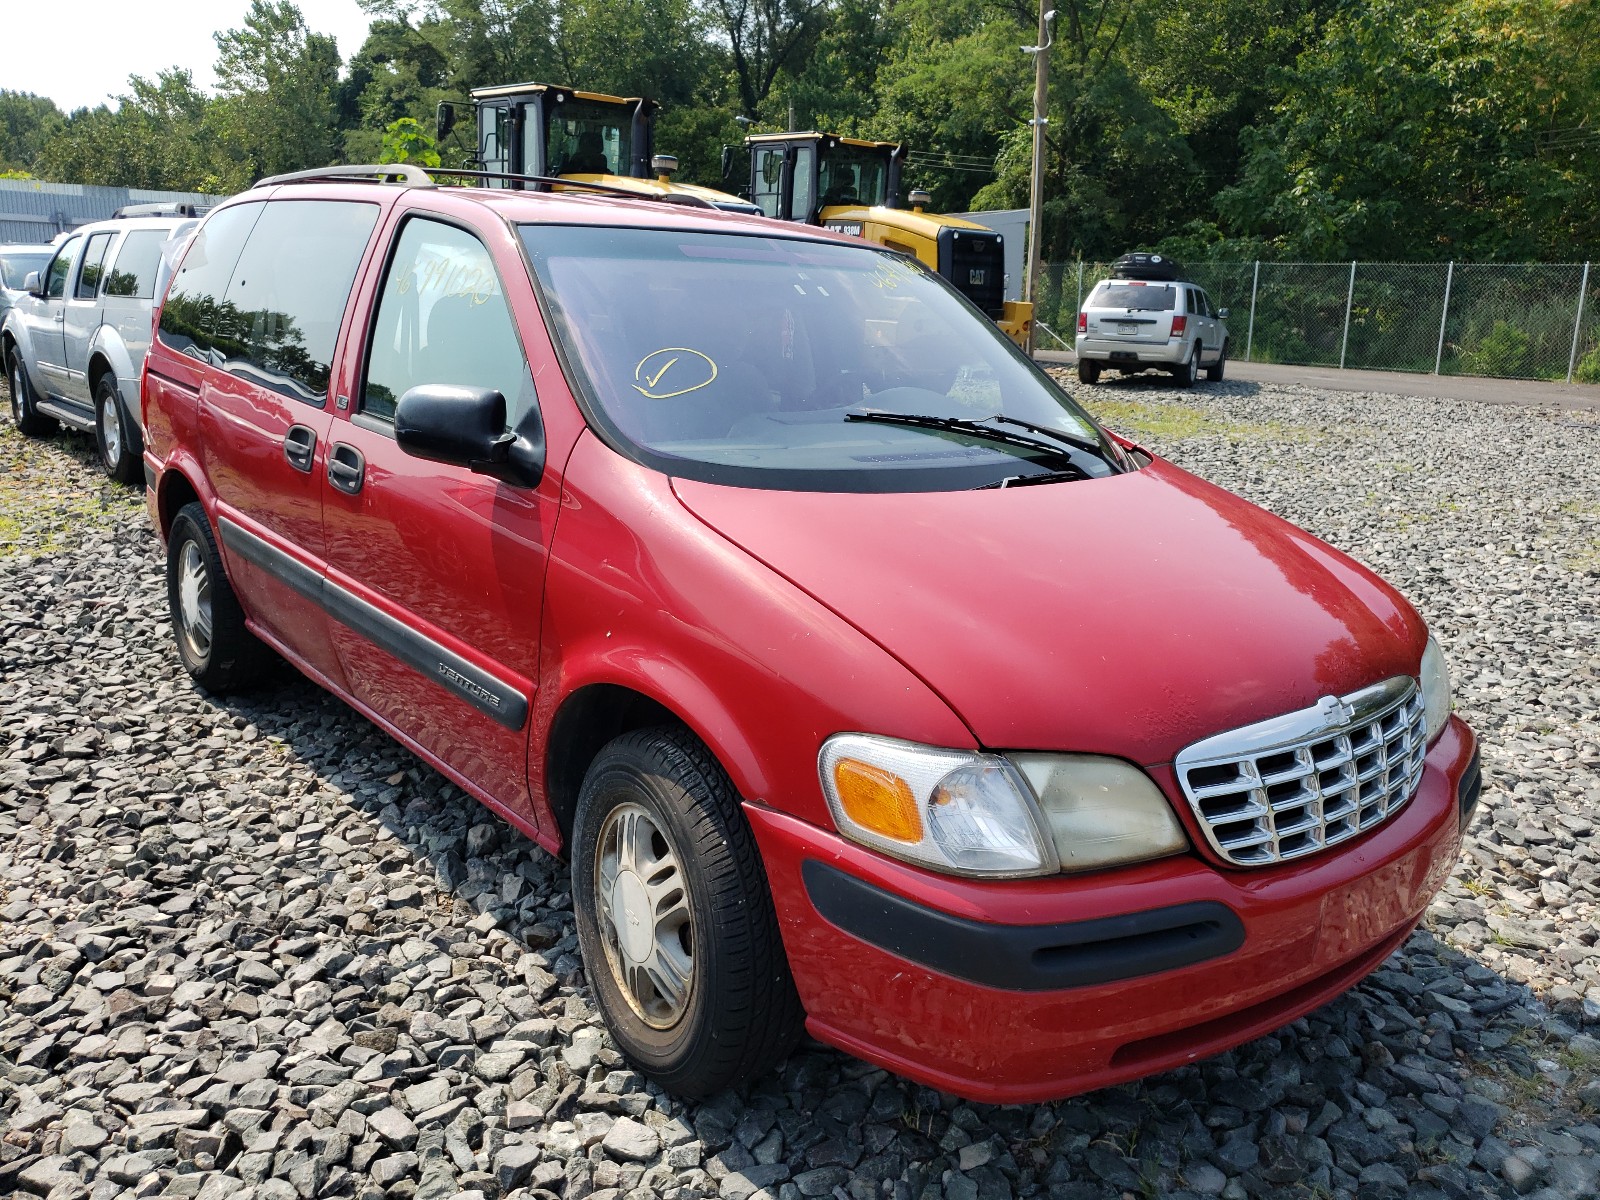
x,y
253,949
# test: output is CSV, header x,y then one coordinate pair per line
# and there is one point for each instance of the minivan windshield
x,y
769,362
1141,297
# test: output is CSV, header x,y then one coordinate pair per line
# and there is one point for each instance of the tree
x,y
27,123
763,37
275,110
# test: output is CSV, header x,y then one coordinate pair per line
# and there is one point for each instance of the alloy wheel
x,y
194,601
110,433
642,900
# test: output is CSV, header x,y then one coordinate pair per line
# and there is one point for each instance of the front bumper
x,y
1092,980
1114,352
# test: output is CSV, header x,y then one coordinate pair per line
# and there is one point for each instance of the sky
x,y
81,52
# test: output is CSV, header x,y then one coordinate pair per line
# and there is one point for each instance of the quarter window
x,y
60,267
93,267
443,318
135,271
193,318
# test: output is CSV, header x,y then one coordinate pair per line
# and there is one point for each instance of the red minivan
x,y
870,686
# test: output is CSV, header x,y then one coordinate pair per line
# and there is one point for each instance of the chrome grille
x,y
1292,785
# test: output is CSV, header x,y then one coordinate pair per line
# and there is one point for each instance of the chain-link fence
x,y
1511,321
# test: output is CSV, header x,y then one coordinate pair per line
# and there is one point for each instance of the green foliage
x,y
405,140
1503,352
1214,130
1588,370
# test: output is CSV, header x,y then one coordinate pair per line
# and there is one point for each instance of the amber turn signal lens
x,y
877,800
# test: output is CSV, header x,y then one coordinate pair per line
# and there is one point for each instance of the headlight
x,y
992,815
1435,680
952,810
1101,811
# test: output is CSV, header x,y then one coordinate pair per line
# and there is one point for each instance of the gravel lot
x,y
253,949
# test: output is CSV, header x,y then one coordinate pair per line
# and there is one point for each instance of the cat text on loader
x,y
589,137
853,186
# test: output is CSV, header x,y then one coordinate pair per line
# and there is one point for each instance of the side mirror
x,y
444,120
1222,314
727,161
30,284
466,427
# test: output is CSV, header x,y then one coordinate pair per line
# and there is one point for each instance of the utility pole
x,y
1041,88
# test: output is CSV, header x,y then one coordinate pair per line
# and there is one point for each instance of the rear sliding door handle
x,y
300,447
347,469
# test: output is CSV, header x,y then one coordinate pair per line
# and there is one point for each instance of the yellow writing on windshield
x,y
673,371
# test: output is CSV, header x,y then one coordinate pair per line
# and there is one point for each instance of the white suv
x,y
74,339
1132,325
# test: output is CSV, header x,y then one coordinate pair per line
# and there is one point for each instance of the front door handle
x,y
347,469
300,447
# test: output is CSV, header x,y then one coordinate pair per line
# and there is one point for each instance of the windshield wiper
x,y
1011,481
976,429
1060,435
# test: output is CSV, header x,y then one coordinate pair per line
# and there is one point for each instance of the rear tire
x,y
216,648
1189,373
121,447
675,920
1216,370
27,418
1088,371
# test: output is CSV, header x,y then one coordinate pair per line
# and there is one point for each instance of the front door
x,y
441,570
45,319
82,317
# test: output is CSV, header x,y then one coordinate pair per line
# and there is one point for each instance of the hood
x,y
1129,615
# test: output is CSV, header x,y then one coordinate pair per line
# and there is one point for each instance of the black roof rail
x,y
607,189
407,173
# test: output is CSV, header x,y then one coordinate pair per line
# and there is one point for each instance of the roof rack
x,y
407,173
162,209
411,175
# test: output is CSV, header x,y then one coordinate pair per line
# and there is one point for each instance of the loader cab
x,y
543,129
800,176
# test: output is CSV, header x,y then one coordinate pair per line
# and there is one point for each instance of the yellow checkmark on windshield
x,y
656,378
690,370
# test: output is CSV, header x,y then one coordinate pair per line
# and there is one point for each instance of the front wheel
x,y
121,447
1088,371
675,921
24,415
1216,370
215,647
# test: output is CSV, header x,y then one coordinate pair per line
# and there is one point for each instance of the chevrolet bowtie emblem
x,y
1335,712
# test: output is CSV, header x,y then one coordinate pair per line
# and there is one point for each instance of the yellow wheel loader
x,y
544,129
853,186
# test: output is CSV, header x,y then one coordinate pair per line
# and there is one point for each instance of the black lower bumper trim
x,y
1470,790
1025,958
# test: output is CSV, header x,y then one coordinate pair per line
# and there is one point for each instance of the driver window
x,y
60,268
443,318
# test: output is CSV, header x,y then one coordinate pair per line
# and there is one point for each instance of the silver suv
x,y
74,338
1132,325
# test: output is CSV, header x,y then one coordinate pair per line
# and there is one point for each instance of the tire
x,y
116,436
698,994
24,415
220,654
1189,372
1216,371
1088,371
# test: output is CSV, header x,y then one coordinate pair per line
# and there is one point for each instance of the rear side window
x,y
93,267
193,320
1141,297
134,273
443,318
